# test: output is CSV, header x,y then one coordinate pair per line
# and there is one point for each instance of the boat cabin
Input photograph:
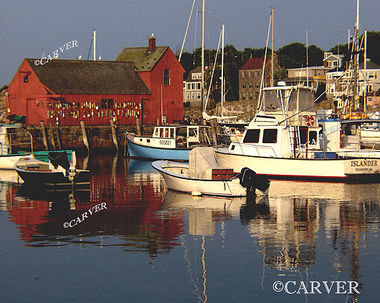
x,y
265,137
183,136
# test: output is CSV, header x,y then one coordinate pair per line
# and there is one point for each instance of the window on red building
x,y
166,77
107,103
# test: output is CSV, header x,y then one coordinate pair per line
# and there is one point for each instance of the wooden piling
x,y
57,133
84,134
51,136
138,128
44,136
213,131
114,134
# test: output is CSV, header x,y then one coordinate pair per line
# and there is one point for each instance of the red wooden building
x,y
68,91
163,74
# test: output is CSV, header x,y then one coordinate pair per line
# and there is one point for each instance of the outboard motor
x,y
59,158
250,180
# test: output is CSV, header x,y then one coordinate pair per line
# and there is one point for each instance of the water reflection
x,y
291,224
128,221
297,227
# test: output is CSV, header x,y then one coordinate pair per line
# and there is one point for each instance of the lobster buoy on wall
x,y
309,120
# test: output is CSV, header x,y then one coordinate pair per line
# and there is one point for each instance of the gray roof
x,y
90,77
143,59
370,65
196,70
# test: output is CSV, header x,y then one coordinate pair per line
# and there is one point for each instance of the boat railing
x,y
261,150
15,140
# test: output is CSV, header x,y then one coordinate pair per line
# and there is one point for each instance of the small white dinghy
x,y
203,176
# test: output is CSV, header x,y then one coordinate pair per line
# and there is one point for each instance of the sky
x,y
28,26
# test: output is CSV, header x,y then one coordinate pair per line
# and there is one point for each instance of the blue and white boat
x,y
168,142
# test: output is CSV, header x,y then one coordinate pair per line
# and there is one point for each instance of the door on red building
x,y
145,116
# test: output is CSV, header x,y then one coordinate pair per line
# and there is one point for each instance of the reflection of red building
x,y
131,213
27,215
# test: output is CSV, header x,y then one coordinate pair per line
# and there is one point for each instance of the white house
x,y
339,83
192,87
332,61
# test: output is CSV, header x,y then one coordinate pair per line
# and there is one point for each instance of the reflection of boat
x,y
318,190
43,194
177,200
139,166
283,143
10,176
59,172
167,142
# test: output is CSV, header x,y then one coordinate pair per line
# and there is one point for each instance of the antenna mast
x,y
94,44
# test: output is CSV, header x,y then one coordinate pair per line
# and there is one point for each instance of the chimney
x,y
152,43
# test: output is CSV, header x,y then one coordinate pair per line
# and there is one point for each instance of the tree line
x,y
289,56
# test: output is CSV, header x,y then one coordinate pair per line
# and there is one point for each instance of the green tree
x,y
315,55
3,87
292,55
373,46
187,63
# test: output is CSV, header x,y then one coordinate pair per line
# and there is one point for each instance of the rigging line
x,y
314,101
89,51
213,71
187,28
264,63
301,111
195,34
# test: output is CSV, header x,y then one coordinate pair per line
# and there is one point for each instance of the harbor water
x,y
138,242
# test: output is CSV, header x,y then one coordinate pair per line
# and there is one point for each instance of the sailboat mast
x,y
307,58
222,74
203,55
272,77
365,72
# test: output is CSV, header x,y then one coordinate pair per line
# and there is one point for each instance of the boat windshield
x,y
292,99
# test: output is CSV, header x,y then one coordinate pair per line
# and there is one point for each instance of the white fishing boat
x,y
202,176
168,142
283,142
370,134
